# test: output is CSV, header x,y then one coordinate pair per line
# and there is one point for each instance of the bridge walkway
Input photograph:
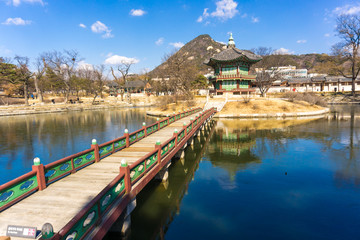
x,y
62,200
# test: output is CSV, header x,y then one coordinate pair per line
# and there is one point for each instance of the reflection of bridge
x,y
157,206
87,203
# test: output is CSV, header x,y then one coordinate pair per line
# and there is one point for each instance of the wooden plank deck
x,y
62,200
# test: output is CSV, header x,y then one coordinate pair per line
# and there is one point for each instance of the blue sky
x,y
143,31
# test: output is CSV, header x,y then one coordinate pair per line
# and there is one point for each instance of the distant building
x,y
286,72
231,68
316,84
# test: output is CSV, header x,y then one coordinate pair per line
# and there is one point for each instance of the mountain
x,y
203,47
196,52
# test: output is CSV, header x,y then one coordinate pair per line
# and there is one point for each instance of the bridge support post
x,y
175,134
144,127
163,174
124,168
123,224
158,147
126,134
40,173
95,146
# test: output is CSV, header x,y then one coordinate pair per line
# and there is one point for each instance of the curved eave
x,y
213,61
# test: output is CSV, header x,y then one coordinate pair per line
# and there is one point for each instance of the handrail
x,y
70,164
125,171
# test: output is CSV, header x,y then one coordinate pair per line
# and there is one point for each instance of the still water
x,y
266,179
260,180
54,136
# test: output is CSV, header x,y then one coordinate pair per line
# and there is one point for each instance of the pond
x,y
243,179
264,179
54,136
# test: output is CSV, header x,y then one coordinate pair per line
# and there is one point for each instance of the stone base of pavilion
x,y
303,115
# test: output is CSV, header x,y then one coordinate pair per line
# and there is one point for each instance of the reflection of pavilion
x,y
232,151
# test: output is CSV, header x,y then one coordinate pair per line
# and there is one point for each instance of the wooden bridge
x,y
82,200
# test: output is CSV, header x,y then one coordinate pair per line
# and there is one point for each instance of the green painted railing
x,y
17,189
181,135
87,218
167,147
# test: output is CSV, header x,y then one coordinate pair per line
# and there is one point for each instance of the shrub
x,y
311,98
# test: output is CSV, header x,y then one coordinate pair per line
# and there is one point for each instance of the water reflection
x,y
159,203
277,179
54,136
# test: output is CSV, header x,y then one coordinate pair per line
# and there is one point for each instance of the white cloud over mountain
x,y
16,21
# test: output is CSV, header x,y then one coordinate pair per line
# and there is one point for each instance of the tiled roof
x,y
232,54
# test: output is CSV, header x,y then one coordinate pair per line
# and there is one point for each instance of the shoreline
x,y
58,108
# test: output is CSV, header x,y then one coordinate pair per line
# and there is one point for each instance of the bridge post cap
x,y
47,231
157,119
191,119
126,130
184,124
93,142
175,131
144,123
158,142
37,161
124,162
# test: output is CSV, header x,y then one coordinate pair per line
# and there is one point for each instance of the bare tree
x,y
267,71
180,73
38,75
24,75
63,65
348,29
123,68
100,78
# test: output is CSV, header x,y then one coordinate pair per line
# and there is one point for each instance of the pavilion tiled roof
x,y
232,54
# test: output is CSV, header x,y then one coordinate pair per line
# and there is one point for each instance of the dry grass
x,y
176,107
262,106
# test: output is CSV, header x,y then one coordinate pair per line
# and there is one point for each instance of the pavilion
x,y
231,68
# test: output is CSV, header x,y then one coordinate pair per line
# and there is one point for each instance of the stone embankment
x,y
55,108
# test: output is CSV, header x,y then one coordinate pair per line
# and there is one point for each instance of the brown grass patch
x,y
260,106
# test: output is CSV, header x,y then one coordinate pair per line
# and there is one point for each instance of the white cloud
x,y
4,51
203,16
116,59
160,41
16,21
85,66
282,51
99,27
225,9
177,44
327,35
301,41
18,2
137,12
82,25
255,19
347,10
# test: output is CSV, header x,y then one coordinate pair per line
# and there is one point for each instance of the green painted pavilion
x,y
231,68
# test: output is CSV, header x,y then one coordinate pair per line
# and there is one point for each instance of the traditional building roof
x,y
233,54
